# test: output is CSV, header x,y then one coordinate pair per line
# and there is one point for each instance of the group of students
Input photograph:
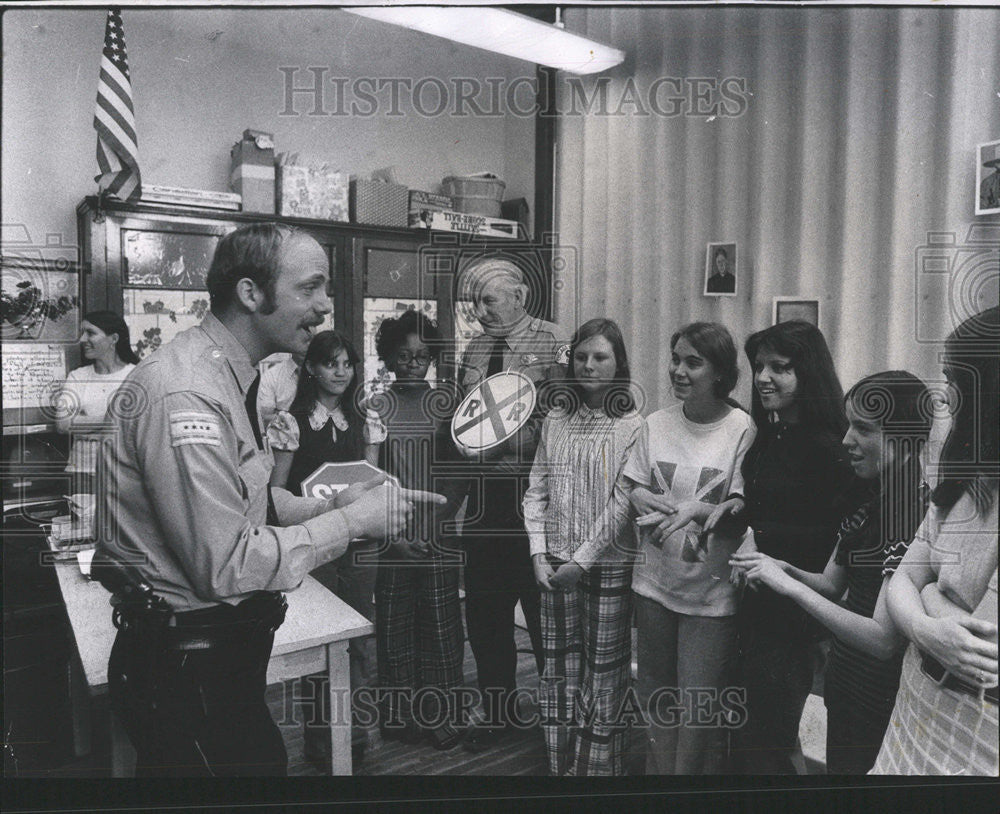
x,y
738,542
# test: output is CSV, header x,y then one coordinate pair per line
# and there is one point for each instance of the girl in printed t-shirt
x,y
686,478
576,515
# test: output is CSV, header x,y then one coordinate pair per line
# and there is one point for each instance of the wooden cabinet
x,y
150,261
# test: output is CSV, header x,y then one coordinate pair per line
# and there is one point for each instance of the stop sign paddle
x,y
331,478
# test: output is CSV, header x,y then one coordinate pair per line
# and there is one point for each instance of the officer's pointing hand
x,y
347,496
381,509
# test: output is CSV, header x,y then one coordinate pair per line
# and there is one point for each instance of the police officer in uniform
x,y
498,568
193,542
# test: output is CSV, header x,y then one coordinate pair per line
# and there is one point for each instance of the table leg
x,y
339,668
79,705
122,753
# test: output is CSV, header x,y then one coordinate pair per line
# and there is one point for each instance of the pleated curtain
x,y
848,177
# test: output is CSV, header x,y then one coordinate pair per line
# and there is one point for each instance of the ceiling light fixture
x,y
503,32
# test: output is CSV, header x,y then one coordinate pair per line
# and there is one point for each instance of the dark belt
x,y
217,627
936,671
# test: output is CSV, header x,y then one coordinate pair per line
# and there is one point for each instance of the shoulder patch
x,y
562,354
189,427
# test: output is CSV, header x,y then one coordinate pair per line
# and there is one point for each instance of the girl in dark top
x,y
418,619
326,424
889,421
798,486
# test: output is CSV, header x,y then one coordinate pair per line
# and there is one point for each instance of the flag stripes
x,y
114,117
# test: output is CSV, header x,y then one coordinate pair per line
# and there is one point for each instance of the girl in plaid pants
x,y
418,621
576,513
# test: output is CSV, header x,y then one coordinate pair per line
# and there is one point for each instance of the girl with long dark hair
x,y
943,596
888,424
576,513
83,401
798,486
326,423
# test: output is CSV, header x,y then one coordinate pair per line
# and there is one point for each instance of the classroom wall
x,y
851,151
200,77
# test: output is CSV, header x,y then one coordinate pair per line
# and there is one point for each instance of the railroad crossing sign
x,y
331,478
493,411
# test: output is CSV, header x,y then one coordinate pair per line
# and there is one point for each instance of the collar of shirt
x,y
320,415
518,327
232,350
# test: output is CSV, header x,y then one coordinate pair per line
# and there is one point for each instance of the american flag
x,y
114,118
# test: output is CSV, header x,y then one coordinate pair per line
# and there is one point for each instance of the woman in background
x,y
888,423
418,618
82,403
576,514
325,423
943,596
686,464
798,487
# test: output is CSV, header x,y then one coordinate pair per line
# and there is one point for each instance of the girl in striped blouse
x,y
576,513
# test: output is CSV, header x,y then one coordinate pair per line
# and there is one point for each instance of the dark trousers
x,y
498,573
853,736
777,672
196,712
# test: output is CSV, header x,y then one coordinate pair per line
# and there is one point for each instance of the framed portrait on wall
x,y
721,276
785,308
988,178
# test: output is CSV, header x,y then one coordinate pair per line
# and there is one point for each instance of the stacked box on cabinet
x,y
306,191
478,225
423,204
251,172
379,203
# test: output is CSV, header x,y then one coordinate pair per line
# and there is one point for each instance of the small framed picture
x,y
721,275
785,308
988,178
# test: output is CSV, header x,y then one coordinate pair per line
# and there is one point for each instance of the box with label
x,y
251,173
312,192
423,203
379,203
478,225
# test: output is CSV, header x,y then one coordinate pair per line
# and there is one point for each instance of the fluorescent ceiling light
x,y
504,32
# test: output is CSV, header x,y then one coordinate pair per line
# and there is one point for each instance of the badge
x,y
562,354
529,359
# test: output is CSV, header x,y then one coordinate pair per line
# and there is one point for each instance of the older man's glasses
x,y
404,357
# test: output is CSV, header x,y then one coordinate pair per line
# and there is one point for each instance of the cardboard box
x,y
478,225
379,203
251,173
312,192
422,204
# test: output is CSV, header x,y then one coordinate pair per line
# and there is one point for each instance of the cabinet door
x,y
394,279
152,268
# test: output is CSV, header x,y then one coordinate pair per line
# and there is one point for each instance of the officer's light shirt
x,y
191,503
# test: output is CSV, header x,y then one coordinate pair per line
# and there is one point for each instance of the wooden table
x,y
313,639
